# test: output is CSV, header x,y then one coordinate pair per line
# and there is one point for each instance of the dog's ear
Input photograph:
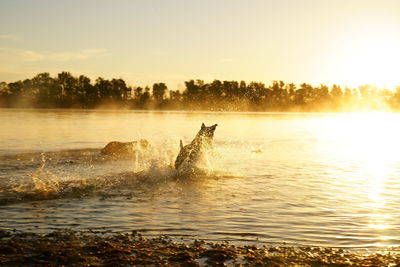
x,y
181,144
203,126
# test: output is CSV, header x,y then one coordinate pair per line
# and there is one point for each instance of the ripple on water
x,y
317,180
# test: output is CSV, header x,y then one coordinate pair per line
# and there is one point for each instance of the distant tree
x,y
320,98
66,90
120,91
4,89
175,99
145,96
242,89
105,89
230,89
141,97
87,94
4,95
194,94
68,87
336,91
337,97
48,93
138,92
291,88
15,89
215,94
303,95
255,95
159,92
278,96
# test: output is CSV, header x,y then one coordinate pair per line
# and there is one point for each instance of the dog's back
x,y
193,152
116,148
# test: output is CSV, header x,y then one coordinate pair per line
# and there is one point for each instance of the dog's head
x,y
207,131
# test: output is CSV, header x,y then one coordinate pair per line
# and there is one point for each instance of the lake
x,y
294,178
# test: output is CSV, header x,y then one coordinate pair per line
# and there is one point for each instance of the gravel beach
x,y
91,248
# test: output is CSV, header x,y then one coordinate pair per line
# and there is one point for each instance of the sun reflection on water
x,y
371,142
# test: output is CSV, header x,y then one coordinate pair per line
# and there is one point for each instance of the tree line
x,y
68,91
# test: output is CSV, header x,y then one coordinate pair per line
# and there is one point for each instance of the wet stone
x,y
97,248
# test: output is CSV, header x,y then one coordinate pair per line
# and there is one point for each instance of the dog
x,y
121,149
193,153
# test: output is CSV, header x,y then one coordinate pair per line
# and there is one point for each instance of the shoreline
x,y
105,248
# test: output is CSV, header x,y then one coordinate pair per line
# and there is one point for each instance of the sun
x,y
361,53
372,62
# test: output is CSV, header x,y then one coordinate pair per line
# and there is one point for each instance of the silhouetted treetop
x,y
68,91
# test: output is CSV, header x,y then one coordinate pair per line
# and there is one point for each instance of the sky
x,y
347,42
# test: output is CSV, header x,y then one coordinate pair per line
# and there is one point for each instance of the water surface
x,y
307,179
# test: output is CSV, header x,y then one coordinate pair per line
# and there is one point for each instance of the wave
x,y
84,173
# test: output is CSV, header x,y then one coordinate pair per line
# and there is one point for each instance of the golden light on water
x,y
377,172
369,143
371,138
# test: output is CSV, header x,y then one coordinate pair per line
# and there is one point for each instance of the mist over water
x,y
316,179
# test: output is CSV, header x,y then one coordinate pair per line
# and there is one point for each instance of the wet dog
x,y
121,149
193,154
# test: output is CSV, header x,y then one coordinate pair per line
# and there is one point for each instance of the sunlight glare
x,y
373,63
372,141
366,54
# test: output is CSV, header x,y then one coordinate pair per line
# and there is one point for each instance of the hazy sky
x,y
147,41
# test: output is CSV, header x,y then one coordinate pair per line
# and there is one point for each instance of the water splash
x,y
42,182
87,173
